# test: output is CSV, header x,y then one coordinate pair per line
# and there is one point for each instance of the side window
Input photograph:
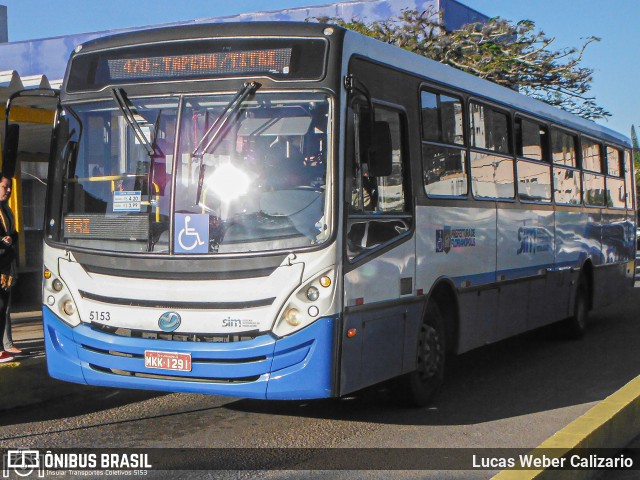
x,y
442,118
616,196
567,178
444,167
492,168
489,129
593,186
591,156
566,185
563,148
531,140
628,180
534,171
380,208
613,162
594,192
391,188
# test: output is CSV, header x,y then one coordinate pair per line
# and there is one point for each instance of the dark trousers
x,y
5,302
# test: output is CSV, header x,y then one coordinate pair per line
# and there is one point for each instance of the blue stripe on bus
x,y
294,367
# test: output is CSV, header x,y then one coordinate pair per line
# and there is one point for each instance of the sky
x,y
615,59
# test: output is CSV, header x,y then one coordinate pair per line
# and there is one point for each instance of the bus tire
x,y
575,327
420,386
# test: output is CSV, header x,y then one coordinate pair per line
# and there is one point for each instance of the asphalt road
x,y
513,394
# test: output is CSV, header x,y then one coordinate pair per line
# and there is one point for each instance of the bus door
x,y
379,247
29,118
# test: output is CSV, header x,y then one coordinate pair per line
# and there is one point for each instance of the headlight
x,y
59,298
308,303
69,307
313,294
293,316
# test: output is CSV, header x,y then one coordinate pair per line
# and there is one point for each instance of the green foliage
x,y
636,156
514,55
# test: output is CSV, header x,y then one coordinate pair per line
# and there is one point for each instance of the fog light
x,y
313,311
313,294
293,316
68,307
57,285
51,300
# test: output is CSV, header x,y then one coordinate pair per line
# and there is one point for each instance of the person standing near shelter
x,y
8,267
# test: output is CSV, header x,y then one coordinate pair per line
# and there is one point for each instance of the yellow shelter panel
x,y
29,115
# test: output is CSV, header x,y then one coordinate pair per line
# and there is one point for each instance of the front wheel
x,y
420,386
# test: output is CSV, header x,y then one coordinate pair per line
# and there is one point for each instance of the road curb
x,y
613,424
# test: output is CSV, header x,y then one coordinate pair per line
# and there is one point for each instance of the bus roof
x,y
364,46
478,87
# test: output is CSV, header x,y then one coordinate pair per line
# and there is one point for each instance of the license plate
x,y
167,360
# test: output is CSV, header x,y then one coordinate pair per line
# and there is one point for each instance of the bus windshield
x,y
147,178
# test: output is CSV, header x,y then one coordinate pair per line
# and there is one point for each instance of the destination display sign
x,y
281,59
275,60
126,226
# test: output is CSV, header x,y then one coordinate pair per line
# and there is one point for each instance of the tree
x,y
514,55
636,156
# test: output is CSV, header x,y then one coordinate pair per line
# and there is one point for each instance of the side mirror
x,y
10,150
381,151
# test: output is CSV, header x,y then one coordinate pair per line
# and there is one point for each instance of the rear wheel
x,y
420,386
575,327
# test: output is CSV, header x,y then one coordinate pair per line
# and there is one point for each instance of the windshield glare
x,y
258,184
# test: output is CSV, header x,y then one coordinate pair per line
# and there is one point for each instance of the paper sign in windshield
x,y
127,201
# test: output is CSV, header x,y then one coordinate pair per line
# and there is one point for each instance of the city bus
x,y
293,211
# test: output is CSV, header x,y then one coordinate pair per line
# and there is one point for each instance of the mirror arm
x,y
353,86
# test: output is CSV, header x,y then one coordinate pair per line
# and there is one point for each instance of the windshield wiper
x,y
247,89
125,105
220,126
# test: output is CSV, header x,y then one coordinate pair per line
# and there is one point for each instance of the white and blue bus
x,y
291,211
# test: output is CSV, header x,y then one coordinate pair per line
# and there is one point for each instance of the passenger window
x,y
534,177
613,162
530,140
492,176
628,179
489,129
442,118
594,192
534,181
616,196
445,172
615,193
591,156
563,148
566,186
379,211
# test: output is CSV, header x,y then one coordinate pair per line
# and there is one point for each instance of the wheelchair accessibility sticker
x,y
191,233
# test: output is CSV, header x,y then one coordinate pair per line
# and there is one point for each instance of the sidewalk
x,y
25,381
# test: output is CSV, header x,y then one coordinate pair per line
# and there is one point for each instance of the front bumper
x,y
299,366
